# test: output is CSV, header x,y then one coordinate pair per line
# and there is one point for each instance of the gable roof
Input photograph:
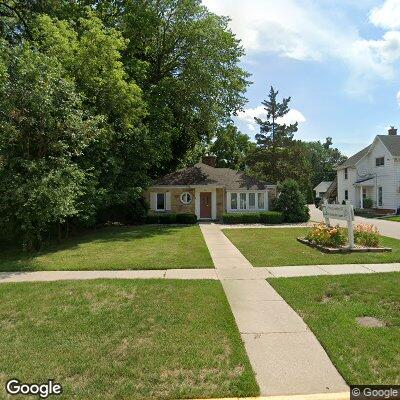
x,y
323,186
353,160
392,142
202,175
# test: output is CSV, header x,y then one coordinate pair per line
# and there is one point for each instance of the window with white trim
x,y
186,198
380,161
252,201
261,205
160,204
243,201
234,201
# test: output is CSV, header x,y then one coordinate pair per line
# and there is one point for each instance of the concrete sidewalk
x,y
125,274
286,357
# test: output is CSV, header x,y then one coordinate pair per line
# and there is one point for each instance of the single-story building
x,y
321,188
208,192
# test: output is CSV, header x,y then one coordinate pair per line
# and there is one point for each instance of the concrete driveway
x,y
386,228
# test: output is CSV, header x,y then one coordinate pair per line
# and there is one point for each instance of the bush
x,y
167,219
186,219
292,203
271,217
152,219
366,235
368,203
327,236
130,212
317,202
241,218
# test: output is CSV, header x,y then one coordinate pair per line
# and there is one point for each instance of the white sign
x,y
343,212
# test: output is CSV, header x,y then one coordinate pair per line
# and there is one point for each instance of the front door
x,y
205,205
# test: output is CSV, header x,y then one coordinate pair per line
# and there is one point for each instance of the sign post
x,y
343,212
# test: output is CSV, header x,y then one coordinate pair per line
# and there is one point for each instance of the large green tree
x,y
278,155
231,147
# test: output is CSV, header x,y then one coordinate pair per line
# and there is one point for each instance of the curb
x,y
318,396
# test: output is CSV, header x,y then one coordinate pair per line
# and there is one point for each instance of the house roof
x,y
323,186
391,142
202,174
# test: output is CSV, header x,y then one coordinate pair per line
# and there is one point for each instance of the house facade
x,y
373,173
209,192
321,188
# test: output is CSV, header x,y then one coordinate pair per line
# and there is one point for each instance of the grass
x,y
117,339
273,247
330,306
395,218
142,247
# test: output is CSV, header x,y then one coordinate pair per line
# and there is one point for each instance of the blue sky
x,y
338,60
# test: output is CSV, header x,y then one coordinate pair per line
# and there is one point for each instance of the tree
x,y
43,131
231,147
278,156
292,203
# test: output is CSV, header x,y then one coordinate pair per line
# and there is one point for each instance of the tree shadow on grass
x,y
13,258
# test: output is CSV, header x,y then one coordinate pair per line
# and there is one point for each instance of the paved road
x,y
386,228
285,355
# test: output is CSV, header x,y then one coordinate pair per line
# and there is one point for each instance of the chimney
x,y
392,131
210,160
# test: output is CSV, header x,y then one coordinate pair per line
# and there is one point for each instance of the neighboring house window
x,y
260,201
233,201
242,198
380,196
346,175
252,201
186,198
160,202
380,161
364,193
346,194
321,194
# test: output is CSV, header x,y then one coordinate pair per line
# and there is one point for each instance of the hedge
x,y
166,219
268,217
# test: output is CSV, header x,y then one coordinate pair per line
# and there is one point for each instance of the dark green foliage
x,y
167,219
291,202
368,203
271,217
186,219
268,217
152,219
132,212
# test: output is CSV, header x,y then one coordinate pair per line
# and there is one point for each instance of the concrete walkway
x,y
386,228
79,275
286,357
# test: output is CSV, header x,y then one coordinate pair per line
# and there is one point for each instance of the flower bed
x,y
334,239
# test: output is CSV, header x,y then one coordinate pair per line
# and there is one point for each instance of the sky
x,y
339,61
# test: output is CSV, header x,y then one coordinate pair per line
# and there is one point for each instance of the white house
x,y
321,188
374,173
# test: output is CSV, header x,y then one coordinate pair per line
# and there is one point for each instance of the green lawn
x,y
143,247
120,339
273,247
395,218
330,306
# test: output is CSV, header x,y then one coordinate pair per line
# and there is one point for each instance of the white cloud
x,y
387,15
301,30
249,114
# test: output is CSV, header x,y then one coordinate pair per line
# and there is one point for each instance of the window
x,y
252,201
260,201
242,198
186,198
346,194
234,201
364,193
380,161
380,196
160,201
346,173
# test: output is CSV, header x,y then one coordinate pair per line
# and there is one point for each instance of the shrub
x,y
167,218
366,235
368,203
241,218
186,219
152,219
271,217
327,236
292,203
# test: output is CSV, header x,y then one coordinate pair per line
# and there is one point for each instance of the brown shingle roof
x,y
203,174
